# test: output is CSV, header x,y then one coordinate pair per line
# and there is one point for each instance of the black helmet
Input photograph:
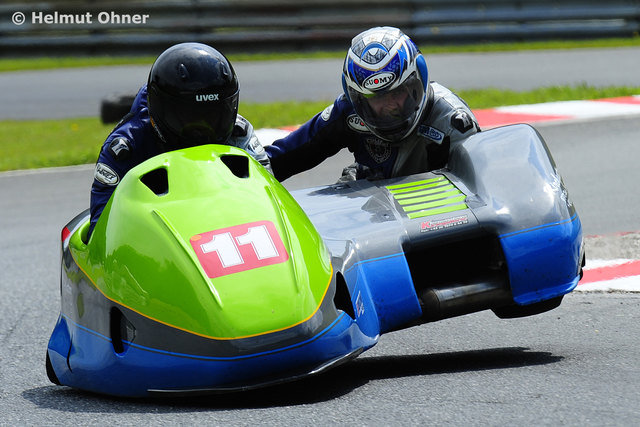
x,y
193,96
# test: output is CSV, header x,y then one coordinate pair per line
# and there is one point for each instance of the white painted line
x,y
575,109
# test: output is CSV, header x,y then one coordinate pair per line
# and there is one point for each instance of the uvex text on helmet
x,y
386,79
193,96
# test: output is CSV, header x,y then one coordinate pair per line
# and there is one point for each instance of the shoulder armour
x,y
462,121
120,148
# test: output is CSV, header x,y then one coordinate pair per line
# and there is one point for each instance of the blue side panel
x,y
94,365
543,261
387,282
365,310
59,344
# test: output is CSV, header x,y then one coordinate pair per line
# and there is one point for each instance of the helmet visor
x,y
188,124
390,114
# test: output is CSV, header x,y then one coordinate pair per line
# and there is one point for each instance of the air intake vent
x,y
122,331
157,181
445,264
238,165
342,299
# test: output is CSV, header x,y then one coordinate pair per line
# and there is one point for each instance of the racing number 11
x,y
225,245
239,248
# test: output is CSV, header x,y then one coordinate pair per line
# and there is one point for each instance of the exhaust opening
x,y
459,277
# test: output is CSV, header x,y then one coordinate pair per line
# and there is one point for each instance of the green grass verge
x,y
46,143
44,63
489,98
40,63
33,144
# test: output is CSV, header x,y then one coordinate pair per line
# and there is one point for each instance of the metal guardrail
x,y
86,26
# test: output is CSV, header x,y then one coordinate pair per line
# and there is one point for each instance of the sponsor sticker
x,y
326,113
359,305
207,97
439,224
106,175
356,123
557,185
431,133
378,81
255,145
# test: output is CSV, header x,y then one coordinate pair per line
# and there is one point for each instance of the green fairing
x,y
161,276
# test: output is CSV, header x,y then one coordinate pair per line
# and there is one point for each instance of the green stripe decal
x,y
431,192
422,203
436,204
413,184
431,212
428,197
419,185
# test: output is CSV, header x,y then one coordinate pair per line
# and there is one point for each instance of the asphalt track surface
x,y
77,92
576,365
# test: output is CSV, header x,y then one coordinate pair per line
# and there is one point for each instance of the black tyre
x,y
515,311
50,372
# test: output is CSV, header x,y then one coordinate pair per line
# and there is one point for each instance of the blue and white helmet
x,y
386,79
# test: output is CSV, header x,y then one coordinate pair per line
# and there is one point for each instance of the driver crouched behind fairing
x,y
393,120
191,98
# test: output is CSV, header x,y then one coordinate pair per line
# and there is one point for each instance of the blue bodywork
x,y
141,371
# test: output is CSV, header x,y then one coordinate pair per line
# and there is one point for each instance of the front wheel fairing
x,y
204,240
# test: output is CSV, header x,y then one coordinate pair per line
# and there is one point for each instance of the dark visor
x,y
200,122
368,107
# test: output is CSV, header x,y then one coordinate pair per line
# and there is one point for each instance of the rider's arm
x,y
124,148
244,137
111,166
318,139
